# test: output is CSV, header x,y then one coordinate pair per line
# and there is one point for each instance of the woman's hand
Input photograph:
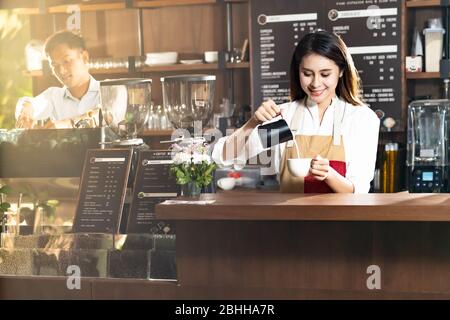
x,y
267,111
320,168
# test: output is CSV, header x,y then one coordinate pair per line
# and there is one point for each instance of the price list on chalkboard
x,y
153,185
370,28
102,190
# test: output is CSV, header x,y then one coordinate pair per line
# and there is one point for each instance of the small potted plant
x,y
192,166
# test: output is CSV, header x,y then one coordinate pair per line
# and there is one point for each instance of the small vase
x,y
191,189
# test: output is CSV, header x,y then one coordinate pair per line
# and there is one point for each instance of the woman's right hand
x,y
267,111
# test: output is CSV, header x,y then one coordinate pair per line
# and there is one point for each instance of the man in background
x,y
71,106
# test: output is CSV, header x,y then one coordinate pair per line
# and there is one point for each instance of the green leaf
x,y
200,173
4,206
5,190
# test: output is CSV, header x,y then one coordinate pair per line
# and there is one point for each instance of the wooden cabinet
x,y
423,84
122,29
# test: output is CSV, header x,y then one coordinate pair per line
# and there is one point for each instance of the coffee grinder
x,y
125,106
428,146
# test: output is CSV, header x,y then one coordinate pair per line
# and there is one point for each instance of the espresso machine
x,y
428,146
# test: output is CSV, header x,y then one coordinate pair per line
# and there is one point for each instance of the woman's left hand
x,y
320,168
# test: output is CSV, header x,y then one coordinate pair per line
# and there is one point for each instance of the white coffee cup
x,y
299,167
211,56
226,183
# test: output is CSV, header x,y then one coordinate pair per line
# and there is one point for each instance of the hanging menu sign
x,y
370,29
102,190
153,184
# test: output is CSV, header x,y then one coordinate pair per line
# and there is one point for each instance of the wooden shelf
x,y
180,67
39,73
89,7
423,75
115,5
169,3
109,71
166,68
156,133
423,3
26,11
34,73
240,65
193,67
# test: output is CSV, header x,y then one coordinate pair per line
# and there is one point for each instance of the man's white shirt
x,y
57,103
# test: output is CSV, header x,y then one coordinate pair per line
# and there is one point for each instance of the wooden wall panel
x,y
121,36
187,30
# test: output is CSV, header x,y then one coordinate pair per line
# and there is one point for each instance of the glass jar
x,y
190,189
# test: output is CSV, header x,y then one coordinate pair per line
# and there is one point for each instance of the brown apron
x,y
330,147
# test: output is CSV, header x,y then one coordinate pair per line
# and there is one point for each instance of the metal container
x,y
274,133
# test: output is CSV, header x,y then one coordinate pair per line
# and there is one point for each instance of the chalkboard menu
x,y
370,28
102,190
153,185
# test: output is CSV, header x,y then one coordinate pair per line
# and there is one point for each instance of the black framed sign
x,y
102,190
370,28
153,184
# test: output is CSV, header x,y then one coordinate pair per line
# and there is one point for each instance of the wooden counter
x,y
290,246
259,245
245,205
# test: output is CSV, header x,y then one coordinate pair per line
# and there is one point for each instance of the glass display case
x,y
136,256
43,169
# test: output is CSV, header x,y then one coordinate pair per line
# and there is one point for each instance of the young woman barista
x,y
332,125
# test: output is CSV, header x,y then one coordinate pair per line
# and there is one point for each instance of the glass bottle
x,y
157,118
150,117
445,93
390,172
163,119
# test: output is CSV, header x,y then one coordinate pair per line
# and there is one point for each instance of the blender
x,y
428,146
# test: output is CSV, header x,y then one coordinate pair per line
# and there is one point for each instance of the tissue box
x,y
414,64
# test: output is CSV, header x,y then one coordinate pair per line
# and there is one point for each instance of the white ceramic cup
x,y
211,56
226,183
299,167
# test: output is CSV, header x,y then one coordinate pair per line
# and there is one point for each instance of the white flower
x,y
181,157
199,158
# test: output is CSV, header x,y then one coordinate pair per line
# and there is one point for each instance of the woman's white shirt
x,y
360,128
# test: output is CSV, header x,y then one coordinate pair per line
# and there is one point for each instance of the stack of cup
x,y
434,39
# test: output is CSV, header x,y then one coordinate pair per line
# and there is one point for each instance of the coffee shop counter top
x,y
258,205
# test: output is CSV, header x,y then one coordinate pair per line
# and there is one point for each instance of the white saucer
x,y
196,61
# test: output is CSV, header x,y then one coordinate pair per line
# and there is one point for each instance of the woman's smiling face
x,y
319,77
